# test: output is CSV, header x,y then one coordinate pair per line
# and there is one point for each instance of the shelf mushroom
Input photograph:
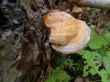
x,y
68,34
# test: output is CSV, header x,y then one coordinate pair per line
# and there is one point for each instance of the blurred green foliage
x,y
58,74
97,58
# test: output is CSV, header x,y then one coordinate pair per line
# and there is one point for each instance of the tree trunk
x,y
32,54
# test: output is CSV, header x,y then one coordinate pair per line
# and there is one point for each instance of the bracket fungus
x,y
68,34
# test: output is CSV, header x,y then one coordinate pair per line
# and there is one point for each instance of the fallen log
x,y
102,4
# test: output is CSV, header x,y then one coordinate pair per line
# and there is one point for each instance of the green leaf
x,y
58,75
106,62
108,53
107,37
86,54
93,71
104,76
93,61
96,41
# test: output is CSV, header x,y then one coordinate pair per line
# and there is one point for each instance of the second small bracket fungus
x,y
68,34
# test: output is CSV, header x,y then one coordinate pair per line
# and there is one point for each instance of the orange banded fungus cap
x,y
68,34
